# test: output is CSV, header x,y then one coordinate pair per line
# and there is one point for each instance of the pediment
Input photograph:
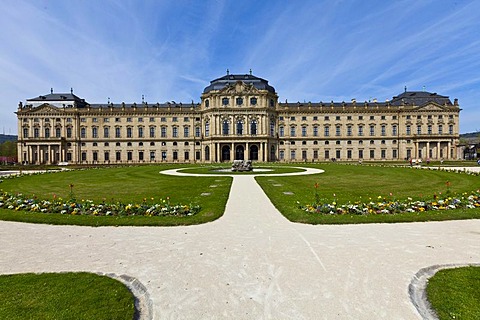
x,y
45,108
239,87
430,107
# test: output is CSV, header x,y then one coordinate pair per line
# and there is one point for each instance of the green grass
x,y
125,184
455,293
343,183
64,296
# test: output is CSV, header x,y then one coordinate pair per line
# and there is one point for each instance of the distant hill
x,y
472,137
6,137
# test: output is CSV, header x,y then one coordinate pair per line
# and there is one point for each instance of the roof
x,y
58,97
419,98
228,79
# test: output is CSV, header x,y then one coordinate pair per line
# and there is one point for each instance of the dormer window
x,y
253,101
207,103
239,101
225,101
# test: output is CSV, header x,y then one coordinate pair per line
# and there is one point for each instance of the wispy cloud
x,y
308,50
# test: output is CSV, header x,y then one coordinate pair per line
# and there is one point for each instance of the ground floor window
x,y
164,155
337,155
315,154
187,155
394,153
282,155
140,155
69,156
84,156
118,156
106,156
304,154
129,156
197,155
372,154
327,154
152,155
292,154
383,153
349,154
95,156
360,154
175,155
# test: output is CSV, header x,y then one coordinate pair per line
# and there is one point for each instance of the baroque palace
x,y
239,117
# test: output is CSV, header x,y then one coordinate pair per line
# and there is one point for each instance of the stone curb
x,y
143,303
418,285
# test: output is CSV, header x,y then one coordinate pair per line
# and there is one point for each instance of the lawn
x,y
342,183
135,184
64,296
455,293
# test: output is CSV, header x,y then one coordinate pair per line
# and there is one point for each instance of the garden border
x,y
418,285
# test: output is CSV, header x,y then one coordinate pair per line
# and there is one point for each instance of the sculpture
x,y
242,165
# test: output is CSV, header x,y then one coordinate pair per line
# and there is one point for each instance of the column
x,y
217,157
428,149
416,150
232,152
247,151
261,156
438,149
448,150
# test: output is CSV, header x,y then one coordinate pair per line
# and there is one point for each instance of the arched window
x,y
253,127
207,129
225,127
239,127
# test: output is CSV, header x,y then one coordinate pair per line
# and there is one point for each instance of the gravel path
x,y
252,263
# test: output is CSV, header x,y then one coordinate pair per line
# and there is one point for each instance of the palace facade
x,y
239,117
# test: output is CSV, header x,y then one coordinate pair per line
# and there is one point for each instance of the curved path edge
x,y
177,172
143,303
418,286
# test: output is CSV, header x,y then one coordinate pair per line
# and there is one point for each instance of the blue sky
x,y
308,50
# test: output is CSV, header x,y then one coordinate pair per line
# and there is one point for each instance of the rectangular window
x,y
186,132
106,132
360,130
440,129
129,132
140,155
292,131
304,154
337,131
383,153
349,154
175,132
394,130
84,156
304,131
95,156
281,131
152,132
349,130
164,155
409,130
360,154
152,155
163,132
327,154
327,131
197,132
186,155
394,154
419,129
384,132
372,130
140,132
315,131
450,129
106,156
118,156
117,132
129,156
292,154
281,154
94,132
175,155
372,154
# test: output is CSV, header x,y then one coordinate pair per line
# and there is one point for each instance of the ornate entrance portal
x,y
253,152
226,153
239,152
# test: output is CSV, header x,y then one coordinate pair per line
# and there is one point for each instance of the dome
x,y
220,83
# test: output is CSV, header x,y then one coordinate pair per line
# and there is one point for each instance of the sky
x,y
171,50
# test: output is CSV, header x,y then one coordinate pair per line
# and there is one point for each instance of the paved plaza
x,y
252,263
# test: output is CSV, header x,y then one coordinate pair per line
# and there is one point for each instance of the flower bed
x,y
20,202
392,206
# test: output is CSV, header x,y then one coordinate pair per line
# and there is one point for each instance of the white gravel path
x,y
252,263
